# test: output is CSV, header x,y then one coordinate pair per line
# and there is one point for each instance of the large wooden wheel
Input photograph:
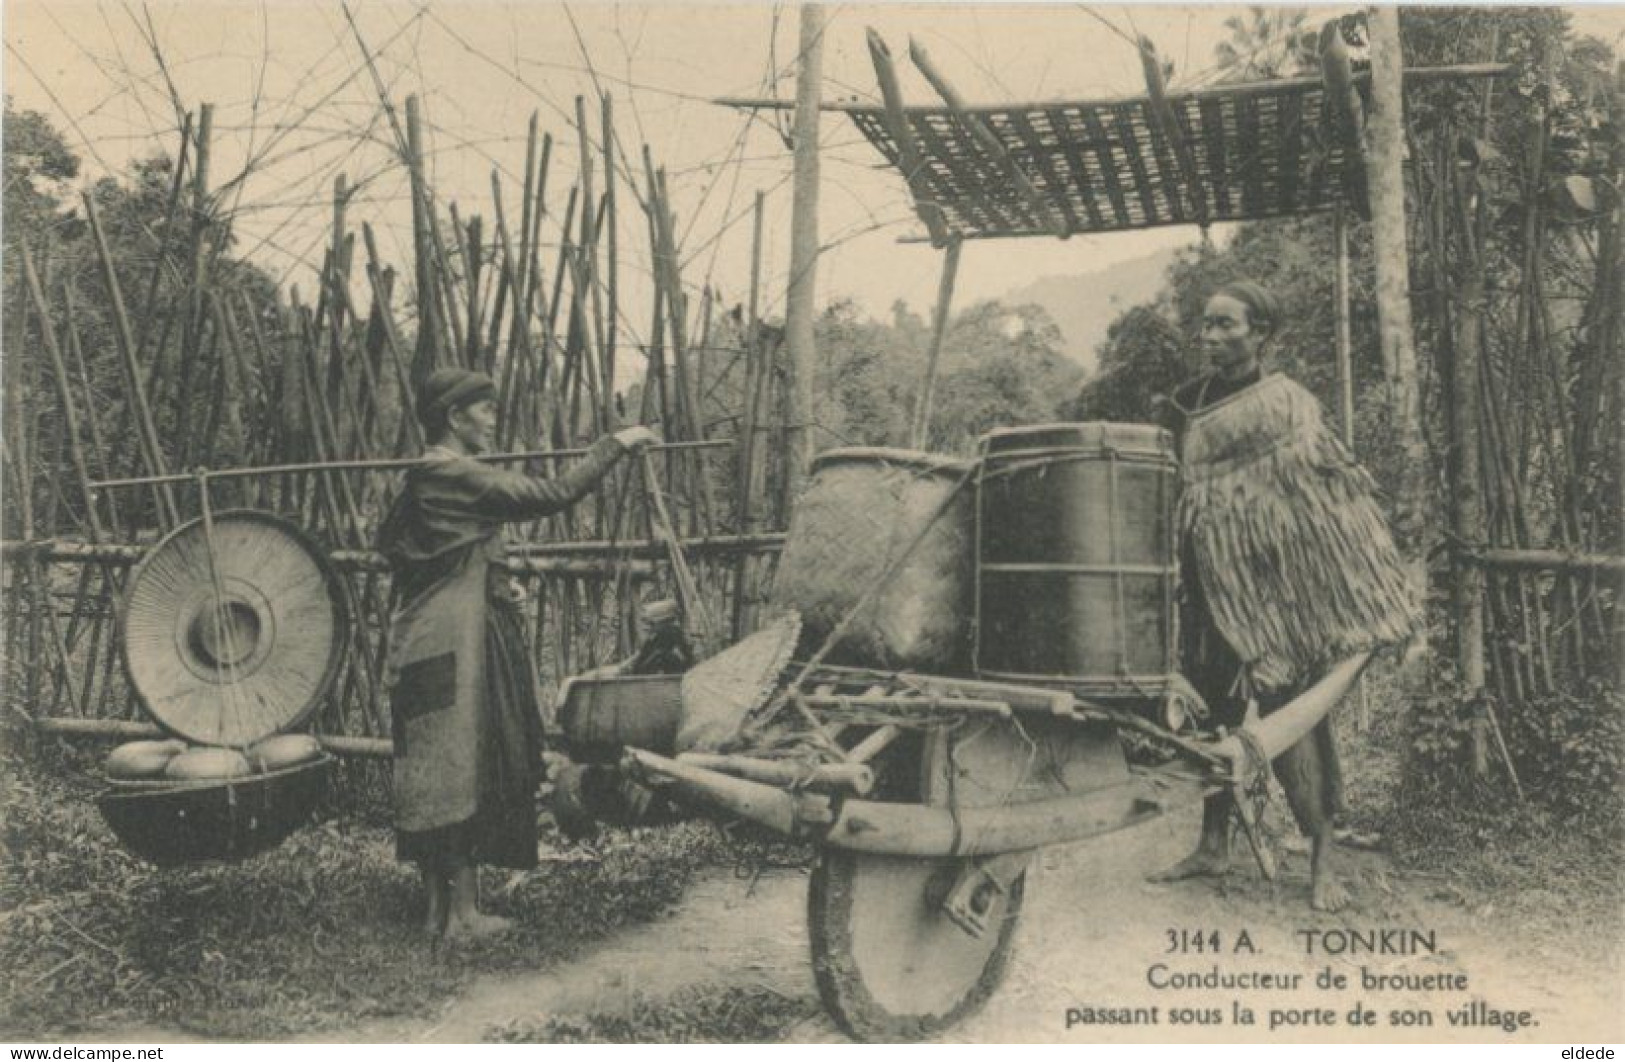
x,y
889,962
890,965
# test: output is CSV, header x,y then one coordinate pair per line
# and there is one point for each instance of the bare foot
x,y
1204,862
466,928
1327,893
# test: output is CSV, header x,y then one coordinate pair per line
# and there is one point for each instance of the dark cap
x,y
448,389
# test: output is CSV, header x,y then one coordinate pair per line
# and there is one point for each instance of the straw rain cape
x,y
1294,556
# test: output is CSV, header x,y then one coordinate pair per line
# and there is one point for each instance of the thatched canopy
x,y
1236,152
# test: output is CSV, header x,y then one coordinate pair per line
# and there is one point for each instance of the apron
x,y
435,679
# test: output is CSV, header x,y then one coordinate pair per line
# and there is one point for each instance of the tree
x,y
1264,43
150,244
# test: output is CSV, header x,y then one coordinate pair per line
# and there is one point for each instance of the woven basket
x,y
171,823
862,509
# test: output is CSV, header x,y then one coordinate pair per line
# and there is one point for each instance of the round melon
x,y
142,759
206,764
284,750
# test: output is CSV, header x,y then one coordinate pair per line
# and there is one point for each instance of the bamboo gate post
x,y
1384,144
800,308
1345,392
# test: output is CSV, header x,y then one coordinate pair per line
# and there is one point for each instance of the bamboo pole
x,y
1345,344
802,294
381,291
64,393
1162,113
1385,149
427,357
1042,209
902,134
1416,75
115,518
919,434
612,308
146,432
194,319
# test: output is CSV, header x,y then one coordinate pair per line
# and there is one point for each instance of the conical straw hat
x,y
236,634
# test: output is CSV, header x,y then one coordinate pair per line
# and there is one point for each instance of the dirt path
x,y
1092,932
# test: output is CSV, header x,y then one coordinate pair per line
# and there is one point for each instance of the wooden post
x,y
801,297
1337,72
612,307
919,434
146,433
1467,500
64,393
1041,208
1385,151
908,152
1345,345
752,457
422,251
1345,392
1162,112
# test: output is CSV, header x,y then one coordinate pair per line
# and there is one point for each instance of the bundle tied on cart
x,y
879,552
1294,556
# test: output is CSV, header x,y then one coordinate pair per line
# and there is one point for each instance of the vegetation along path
x,y
730,962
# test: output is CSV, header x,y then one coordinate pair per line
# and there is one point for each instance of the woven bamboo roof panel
x,y
1261,150
1108,167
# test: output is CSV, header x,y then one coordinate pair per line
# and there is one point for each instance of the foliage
x,y
1526,194
319,933
1556,875
1144,358
154,239
1000,366
1264,43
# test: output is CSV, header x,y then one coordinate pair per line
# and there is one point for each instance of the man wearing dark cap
x,y
467,730
1287,562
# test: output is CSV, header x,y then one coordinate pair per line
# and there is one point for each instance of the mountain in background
x,y
1084,305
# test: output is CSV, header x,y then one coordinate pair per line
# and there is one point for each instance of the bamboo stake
x,y
902,134
427,357
693,604
146,434
152,313
802,291
1041,207
919,433
115,521
381,291
748,486
611,259
193,319
64,394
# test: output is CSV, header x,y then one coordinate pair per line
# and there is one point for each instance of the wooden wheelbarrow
x,y
928,799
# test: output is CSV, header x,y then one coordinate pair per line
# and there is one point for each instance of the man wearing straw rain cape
x,y
467,731
1288,565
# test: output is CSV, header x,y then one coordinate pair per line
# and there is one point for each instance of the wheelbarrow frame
x,y
823,803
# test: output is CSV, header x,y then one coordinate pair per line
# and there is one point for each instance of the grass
x,y
700,1014
1559,875
317,934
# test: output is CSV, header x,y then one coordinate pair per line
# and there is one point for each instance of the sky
x,y
292,92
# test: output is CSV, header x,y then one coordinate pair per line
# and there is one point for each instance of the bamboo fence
x,y
304,408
